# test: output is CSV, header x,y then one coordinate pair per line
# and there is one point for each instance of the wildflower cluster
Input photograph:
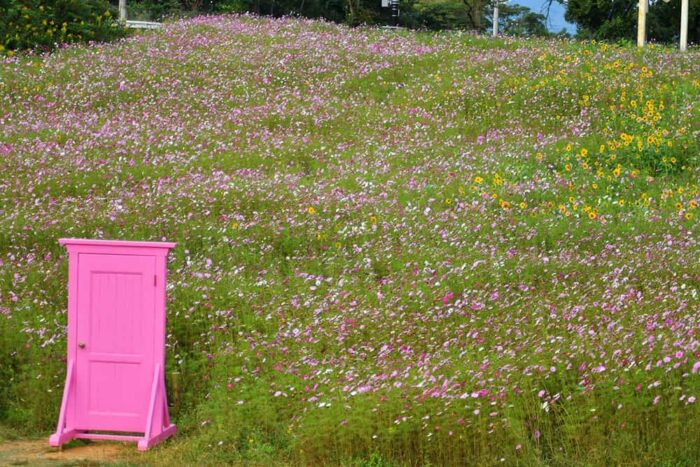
x,y
45,24
426,247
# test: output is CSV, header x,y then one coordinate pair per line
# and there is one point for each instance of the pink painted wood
x,y
116,343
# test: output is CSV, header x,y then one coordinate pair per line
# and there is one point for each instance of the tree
x,y
518,20
603,19
528,24
617,19
439,14
475,13
43,24
664,21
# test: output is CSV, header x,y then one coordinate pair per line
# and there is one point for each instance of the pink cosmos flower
x,y
447,298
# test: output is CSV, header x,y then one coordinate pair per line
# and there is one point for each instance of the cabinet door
x,y
115,340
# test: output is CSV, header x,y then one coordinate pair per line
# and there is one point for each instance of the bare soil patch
x,y
39,453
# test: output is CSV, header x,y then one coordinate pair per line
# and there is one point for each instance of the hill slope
x,y
392,246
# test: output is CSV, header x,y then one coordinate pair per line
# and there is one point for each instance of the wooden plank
x,y
107,437
143,25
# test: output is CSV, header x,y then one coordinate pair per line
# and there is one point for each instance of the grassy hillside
x,y
393,247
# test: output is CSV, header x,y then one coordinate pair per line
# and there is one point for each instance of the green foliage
x,y
514,20
527,24
45,24
153,10
350,11
518,20
232,6
664,21
441,14
603,19
424,14
24,370
617,19
8,365
445,14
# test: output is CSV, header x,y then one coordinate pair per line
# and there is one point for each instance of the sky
x,y
556,14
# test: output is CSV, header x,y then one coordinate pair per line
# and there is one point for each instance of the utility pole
x,y
122,10
495,18
684,25
642,23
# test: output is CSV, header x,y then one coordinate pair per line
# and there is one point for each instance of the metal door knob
x,y
81,345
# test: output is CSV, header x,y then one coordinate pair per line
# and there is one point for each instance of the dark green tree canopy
x,y
617,19
43,24
429,14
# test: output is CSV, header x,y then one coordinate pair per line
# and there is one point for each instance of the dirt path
x,y
39,453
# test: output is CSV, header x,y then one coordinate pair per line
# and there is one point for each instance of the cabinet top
x,y
115,243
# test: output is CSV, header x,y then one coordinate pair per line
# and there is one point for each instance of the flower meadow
x,y
394,248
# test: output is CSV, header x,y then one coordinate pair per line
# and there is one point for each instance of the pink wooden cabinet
x,y
116,343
